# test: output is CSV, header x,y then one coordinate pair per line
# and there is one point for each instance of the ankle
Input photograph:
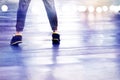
x,y
18,33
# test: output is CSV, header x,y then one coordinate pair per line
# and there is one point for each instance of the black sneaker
x,y
55,38
17,39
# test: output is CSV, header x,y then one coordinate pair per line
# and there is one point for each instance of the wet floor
x,y
89,47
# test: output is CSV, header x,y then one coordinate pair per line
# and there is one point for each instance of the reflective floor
x,y
89,48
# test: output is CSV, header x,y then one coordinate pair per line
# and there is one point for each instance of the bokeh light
x,y
98,9
91,9
4,8
105,8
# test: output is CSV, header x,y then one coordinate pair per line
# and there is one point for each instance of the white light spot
x,y
105,8
4,8
98,9
91,9
114,8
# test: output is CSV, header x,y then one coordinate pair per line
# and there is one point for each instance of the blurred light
x,y
91,9
82,8
4,8
119,8
98,9
114,8
105,8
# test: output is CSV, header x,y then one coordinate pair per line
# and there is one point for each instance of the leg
x,y
52,16
21,15
51,13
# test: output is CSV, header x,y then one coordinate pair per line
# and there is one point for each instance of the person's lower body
x,y
21,16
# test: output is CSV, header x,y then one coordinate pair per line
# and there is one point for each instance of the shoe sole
x,y
55,41
16,43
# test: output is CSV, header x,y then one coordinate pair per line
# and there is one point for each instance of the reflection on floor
x,y
89,49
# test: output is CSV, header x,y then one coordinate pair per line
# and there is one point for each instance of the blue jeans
x,y
22,10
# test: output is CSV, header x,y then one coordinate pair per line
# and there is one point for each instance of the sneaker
x,y
17,39
55,38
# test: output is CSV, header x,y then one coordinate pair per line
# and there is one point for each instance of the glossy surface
x,y
89,49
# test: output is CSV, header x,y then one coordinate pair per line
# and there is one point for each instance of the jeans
x,y
22,10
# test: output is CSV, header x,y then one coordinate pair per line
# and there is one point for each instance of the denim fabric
x,y
22,10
